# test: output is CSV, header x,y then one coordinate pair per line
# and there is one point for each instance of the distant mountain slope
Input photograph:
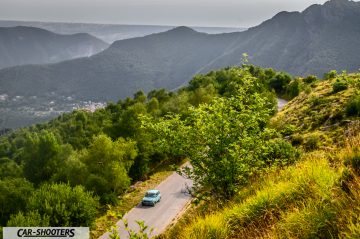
x,y
29,45
158,60
110,32
321,38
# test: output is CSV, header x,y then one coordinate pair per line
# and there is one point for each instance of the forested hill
x,y
309,192
30,45
255,172
83,158
319,39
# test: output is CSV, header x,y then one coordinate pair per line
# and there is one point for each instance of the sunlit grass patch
x,y
211,227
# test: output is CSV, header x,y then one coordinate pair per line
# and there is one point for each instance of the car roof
x,y
153,191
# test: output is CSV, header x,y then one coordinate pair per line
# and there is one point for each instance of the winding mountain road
x,y
173,202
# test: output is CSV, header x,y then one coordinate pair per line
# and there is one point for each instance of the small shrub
x,y
330,75
288,130
353,160
293,89
297,139
310,79
279,152
353,106
316,101
312,142
339,85
279,82
307,89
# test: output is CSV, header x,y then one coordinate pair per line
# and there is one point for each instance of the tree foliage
x,y
14,193
221,139
64,205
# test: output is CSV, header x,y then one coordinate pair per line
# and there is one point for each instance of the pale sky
x,y
226,13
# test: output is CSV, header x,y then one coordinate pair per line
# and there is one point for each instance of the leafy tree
x,y
140,97
279,82
109,162
41,155
293,89
129,121
219,138
153,107
64,205
161,95
14,193
9,169
72,171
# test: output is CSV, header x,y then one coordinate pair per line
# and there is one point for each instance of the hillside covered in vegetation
x,y
256,172
316,195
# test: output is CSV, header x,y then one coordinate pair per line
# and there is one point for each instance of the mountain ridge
x,y
30,45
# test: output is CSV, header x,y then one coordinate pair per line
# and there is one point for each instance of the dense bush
x,y
278,152
30,219
64,205
14,193
339,85
353,106
279,82
310,79
293,89
330,75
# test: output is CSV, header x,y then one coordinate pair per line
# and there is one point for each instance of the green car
x,y
151,198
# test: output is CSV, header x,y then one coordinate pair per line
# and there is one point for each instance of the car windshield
x,y
150,195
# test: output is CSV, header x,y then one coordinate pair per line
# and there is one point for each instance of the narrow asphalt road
x,y
281,104
173,202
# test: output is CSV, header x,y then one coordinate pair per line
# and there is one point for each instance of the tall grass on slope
x,y
211,227
312,220
310,180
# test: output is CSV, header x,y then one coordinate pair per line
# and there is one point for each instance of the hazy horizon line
x,y
123,24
